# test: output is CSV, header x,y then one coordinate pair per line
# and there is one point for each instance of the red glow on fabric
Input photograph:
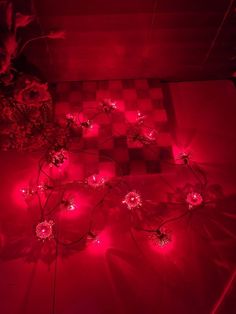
x,y
44,229
18,196
81,203
91,131
165,249
100,244
107,170
194,199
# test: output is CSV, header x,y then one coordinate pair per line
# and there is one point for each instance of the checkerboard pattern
x,y
107,145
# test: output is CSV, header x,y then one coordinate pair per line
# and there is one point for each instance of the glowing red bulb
x,y
71,207
194,199
97,241
57,157
132,200
184,157
140,117
92,237
44,230
149,134
28,192
163,240
71,117
160,238
95,181
44,186
86,124
69,204
108,105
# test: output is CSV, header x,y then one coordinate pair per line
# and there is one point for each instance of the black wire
x,y
73,242
196,175
47,199
173,219
41,207
167,221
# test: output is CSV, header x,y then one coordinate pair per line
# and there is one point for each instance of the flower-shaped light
x,y
143,135
184,157
44,230
92,237
69,204
28,192
71,118
108,105
140,117
132,200
95,181
44,186
86,124
150,135
57,157
194,199
160,238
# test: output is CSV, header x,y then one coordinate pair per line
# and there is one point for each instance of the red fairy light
x,y
194,199
28,192
149,134
86,124
57,158
71,117
132,200
69,204
143,135
184,157
74,119
44,230
140,117
95,181
44,186
160,238
108,105
92,237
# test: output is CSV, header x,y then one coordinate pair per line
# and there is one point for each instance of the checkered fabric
x,y
108,143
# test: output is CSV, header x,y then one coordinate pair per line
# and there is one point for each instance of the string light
x,y
184,157
57,157
149,135
132,200
93,237
43,187
95,181
108,105
194,199
71,118
145,136
86,124
140,117
160,238
44,230
74,119
69,204
28,192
